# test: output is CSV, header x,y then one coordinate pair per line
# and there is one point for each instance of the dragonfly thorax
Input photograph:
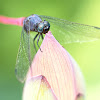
x,y
35,23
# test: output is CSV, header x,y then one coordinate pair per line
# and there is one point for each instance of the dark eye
x,y
46,26
40,27
46,23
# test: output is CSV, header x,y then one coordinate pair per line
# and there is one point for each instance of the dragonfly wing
x,y
23,58
68,32
25,55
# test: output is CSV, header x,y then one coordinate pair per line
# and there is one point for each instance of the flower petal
x,y
80,84
59,68
38,88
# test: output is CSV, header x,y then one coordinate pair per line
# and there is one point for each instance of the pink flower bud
x,y
60,70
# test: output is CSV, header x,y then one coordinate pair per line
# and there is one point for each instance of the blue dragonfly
x,y
35,26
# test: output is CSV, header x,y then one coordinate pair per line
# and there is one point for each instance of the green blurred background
x,y
87,55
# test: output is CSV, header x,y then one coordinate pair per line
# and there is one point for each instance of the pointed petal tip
x,y
38,88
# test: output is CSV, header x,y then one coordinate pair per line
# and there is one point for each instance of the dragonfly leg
x,y
34,41
42,36
38,44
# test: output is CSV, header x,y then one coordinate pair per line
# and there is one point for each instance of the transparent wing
x,y
25,55
68,32
23,60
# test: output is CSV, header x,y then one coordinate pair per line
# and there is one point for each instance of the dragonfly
x,y
36,26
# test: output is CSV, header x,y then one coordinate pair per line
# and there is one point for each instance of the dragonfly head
x,y
43,27
46,27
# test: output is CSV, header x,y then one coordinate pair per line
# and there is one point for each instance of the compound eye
x,y
46,26
40,27
46,23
